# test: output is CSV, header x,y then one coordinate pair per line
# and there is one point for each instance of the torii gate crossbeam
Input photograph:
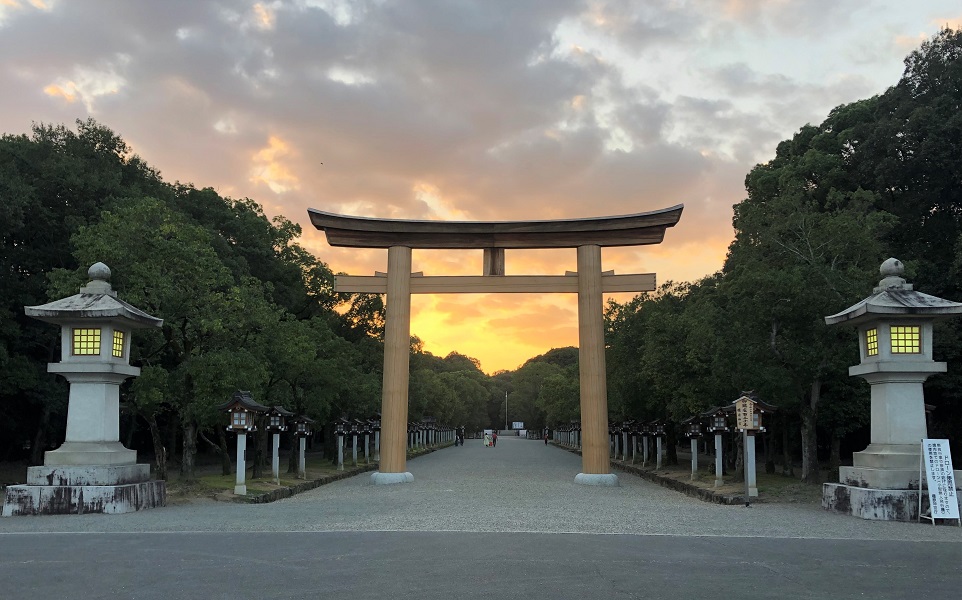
x,y
588,236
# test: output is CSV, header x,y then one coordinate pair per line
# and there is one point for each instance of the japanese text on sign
x,y
943,499
744,413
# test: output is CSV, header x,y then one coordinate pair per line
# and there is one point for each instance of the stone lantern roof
x,y
96,300
893,296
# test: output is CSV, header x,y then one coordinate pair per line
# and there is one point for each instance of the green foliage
x,y
878,178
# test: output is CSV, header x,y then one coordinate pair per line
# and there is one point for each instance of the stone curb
x,y
688,489
287,492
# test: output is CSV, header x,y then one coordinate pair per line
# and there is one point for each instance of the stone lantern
x,y
277,423
92,471
895,348
242,410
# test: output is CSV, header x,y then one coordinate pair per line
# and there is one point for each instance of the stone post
x,y
240,485
694,458
340,453
301,459
275,458
750,473
719,481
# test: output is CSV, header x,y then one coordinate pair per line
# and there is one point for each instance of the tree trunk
x,y
788,466
173,428
292,456
769,442
160,452
226,466
220,448
190,451
131,430
258,458
835,458
40,436
671,452
810,473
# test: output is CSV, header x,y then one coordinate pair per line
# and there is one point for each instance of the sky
x,y
486,110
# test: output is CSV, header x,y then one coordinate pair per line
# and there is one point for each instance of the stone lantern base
x,y
59,490
878,504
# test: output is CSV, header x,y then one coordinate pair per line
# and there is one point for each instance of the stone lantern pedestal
x,y
895,343
92,472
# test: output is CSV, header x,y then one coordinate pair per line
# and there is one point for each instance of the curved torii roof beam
x,y
625,230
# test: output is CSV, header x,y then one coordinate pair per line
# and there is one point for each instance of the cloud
x,y
492,110
87,85
270,169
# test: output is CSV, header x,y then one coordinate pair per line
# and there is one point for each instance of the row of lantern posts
x,y
747,409
420,435
242,409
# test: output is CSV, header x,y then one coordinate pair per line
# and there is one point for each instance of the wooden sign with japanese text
x,y
744,413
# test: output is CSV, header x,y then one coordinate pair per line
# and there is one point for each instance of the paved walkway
x,y
478,523
519,486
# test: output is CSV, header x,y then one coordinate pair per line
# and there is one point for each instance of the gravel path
x,y
521,486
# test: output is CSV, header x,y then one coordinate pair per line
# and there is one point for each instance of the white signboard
x,y
517,425
943,501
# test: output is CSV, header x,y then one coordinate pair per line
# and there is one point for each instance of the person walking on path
x,y
546,438
494,438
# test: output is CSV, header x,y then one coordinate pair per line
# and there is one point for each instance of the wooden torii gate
x,y
588,236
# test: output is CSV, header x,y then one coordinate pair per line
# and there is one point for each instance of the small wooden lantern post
x,y
355,431
366,432
376,428
340,429
658,430
634,439
277,423
748,420
717,424
302,430
693,432
645,434
242,410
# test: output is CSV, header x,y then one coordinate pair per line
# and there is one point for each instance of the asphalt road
x,y
478,522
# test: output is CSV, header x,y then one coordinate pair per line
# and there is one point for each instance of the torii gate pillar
x,y
591,369
397,352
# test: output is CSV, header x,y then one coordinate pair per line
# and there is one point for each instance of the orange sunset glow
x,y
484,111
